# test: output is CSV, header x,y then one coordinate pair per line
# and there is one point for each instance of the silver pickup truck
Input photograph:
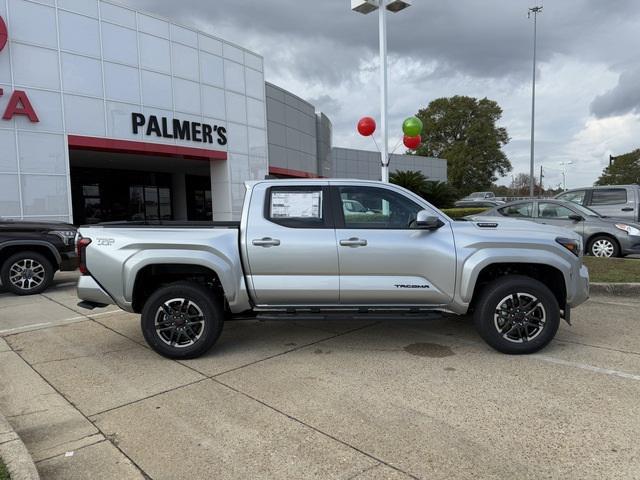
x,y
334,248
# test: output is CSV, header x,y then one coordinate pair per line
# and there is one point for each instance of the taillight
x,y
82,254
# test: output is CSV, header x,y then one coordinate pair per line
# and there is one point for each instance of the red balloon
x,y
412,142
366,126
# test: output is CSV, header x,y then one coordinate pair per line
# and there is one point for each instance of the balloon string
x,y
396,147
375,143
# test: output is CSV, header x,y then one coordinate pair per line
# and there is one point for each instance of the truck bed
x,y
166,224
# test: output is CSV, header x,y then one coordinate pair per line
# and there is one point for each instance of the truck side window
x,y
576,196
608,196
296,207
377,208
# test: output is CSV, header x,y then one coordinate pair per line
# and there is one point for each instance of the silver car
x,y
602,236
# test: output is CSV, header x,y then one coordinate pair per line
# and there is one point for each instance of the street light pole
x,y
394,6
564,173
384,87
535,11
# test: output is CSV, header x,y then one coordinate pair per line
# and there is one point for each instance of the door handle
x,y
353,242
627,209
266,242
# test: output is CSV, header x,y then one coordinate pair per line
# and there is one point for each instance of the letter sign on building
x,y
4,34
19,103
183,130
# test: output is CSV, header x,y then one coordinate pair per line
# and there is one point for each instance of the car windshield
x,y
587,212
476,195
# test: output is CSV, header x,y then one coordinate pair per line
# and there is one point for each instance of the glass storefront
x,y
101,195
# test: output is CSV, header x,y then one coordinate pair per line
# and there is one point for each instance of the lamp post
x,y
394,6
535,11
564,173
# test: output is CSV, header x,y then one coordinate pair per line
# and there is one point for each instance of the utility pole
x,y
535,11
541,177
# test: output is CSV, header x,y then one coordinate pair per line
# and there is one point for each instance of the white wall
x,y
86,65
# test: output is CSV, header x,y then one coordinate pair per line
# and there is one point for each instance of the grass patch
x,y
613,270
4,473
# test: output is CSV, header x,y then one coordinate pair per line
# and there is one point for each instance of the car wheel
x,y
27,273
517,315
605,247
182,320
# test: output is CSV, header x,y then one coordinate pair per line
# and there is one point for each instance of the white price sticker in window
x,y
296,204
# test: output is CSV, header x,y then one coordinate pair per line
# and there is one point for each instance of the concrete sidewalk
x,y
367,400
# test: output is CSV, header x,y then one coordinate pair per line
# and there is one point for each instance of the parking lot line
x,y
591,368
38,326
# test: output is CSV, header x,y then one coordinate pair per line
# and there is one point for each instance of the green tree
x,y
409,179
625,169
463,130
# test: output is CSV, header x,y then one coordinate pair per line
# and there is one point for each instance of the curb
x,y
15,455
619,289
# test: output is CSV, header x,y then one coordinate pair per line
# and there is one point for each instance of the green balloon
x,y
412,127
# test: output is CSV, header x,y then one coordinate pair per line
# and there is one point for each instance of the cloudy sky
x,y
588,100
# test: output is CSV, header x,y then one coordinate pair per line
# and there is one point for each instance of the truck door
x,y
614,202
384,260
290,246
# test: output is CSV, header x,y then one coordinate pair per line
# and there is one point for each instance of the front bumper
x,y
579,291
90,291
629,245
68,261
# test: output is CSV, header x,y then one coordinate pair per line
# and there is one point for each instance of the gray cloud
x,y
623,98
323,52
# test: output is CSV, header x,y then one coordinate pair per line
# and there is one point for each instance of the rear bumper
x,y
90,291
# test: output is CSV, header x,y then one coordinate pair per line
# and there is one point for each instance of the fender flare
x,y
33,243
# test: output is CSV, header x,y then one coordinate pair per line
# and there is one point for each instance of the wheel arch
x,y
155,275
602,234
550,276
7,249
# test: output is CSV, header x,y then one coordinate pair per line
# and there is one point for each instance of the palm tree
x,y
411,180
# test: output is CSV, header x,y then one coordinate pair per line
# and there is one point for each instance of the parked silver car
x,y
603,236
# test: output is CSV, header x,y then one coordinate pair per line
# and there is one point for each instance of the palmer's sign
x,y
179,129
19,103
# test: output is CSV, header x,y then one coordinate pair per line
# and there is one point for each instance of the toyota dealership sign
x,y
19,103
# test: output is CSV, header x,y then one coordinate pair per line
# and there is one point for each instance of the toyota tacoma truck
x,y
301,251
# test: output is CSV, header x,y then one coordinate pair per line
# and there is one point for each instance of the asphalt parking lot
x,y
355,400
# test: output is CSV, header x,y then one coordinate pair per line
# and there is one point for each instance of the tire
x,y
603,246
165,320
27,273
506,332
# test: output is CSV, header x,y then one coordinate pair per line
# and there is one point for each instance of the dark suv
x,y
32,252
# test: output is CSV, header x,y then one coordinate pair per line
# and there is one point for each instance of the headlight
x,y
67,236
628,228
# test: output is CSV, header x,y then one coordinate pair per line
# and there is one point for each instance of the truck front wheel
x,y
517,315
182,320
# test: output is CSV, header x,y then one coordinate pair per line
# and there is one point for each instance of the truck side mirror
x,y
426,221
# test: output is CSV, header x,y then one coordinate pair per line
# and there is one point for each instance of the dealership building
x,y
111,114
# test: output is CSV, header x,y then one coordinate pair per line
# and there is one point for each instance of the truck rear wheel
x,y
517,315
182,320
